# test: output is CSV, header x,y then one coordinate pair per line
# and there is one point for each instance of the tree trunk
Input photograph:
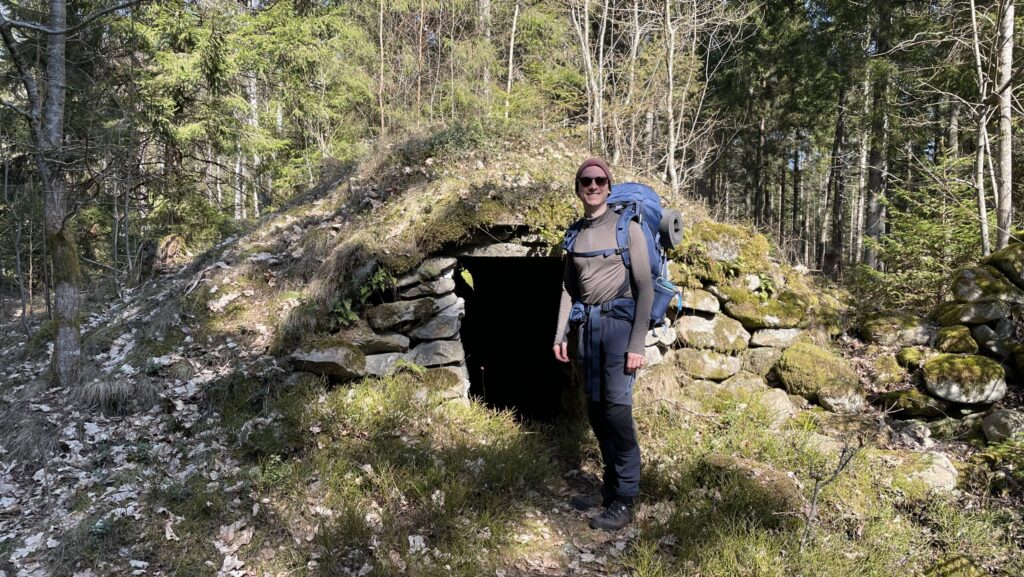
x,y
833,255
511,52
485,27
981,139
1004,196
796,195
670,45
953,134
875,225
782,204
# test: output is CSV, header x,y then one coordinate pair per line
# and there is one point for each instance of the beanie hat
x,y
593,162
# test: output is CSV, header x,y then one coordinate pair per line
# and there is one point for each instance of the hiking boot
x,y
615,517
585,501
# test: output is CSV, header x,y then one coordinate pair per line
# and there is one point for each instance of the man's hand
x,y
562,352
634,362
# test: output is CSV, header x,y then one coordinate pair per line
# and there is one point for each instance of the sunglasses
x,y
586,180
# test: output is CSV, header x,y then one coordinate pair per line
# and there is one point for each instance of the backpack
x,y
662,229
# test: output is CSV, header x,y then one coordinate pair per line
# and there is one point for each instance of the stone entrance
x,y
508,330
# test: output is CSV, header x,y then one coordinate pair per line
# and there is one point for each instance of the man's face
x,y
593,195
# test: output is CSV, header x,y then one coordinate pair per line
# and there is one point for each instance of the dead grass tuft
x,y
121,396
29,438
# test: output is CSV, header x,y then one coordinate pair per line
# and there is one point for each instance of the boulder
x,y
896,328
429,270
844,401
990,342
934,470
437,353
1010,262
818,375
447,301
698,300
435,287
719,333
956,339
778,407
886,371
743,382
653,356
1003,424
760,361
780,338
402,314
456,309
969,379
978,282
706,364
974,313
786,310
767,494
455,384
439,327
382,364
337,359
913,403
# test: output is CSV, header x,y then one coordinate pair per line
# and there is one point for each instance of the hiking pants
x,y
604,337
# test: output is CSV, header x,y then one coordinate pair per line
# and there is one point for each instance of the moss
x,y
887,371
973,374
43,335
809,370
788,310
706,364
912,357
956,339
893,327
972,283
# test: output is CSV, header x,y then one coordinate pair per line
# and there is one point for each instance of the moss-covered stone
x,y
886,371
973,313
760,361
977,282
787,310
401,314
920,474
1010,262
969,379
913,403
896,328
955,339
813,372
330,357
714,251
719,333
913,357
706,364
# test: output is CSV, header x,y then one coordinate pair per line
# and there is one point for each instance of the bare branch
x,y
71,29
15,108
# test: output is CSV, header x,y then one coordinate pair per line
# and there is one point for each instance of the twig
x,y
690,411
820,481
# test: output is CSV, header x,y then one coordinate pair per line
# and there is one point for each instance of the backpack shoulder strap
x,y
630,212
569,240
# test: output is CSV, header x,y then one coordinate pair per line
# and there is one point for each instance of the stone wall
x,y
421,326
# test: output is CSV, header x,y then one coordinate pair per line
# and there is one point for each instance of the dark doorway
x,y
508,332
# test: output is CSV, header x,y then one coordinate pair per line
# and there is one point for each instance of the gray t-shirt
x,y
597,280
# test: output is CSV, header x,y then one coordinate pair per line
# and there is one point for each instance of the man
x,y
611,306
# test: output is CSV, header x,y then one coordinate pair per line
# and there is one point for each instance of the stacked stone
x,y
740,334
421,327
975,346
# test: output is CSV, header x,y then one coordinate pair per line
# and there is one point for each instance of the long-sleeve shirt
x,y
597,280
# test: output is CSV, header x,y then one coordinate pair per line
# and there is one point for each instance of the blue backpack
x,y
662,229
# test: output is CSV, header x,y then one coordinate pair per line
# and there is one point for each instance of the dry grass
x,y
114,395
29,439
